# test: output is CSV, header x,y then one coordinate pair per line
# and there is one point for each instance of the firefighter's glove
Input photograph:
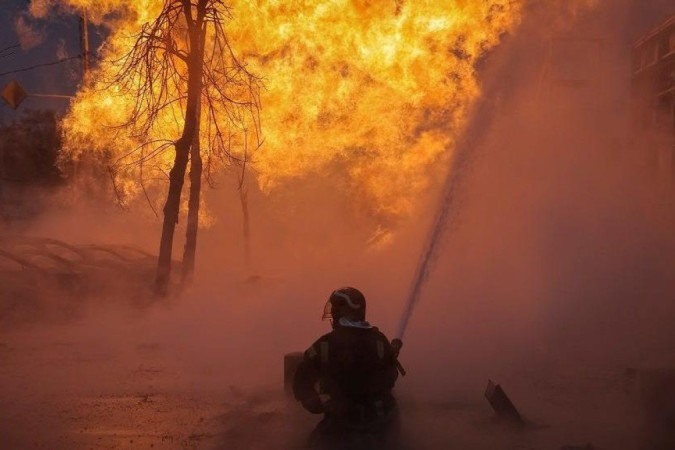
x,y
333,407
396,346
313,404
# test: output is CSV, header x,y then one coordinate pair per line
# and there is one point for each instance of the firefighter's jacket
x,y
355,367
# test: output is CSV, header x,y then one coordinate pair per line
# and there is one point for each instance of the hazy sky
x,y
55,38
59,37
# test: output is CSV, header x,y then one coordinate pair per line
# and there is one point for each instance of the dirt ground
x,y
91,390
557,283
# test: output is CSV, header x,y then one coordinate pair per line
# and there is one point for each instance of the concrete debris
x,y
502,405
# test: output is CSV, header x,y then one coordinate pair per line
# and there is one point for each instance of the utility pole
x,y
84,44
84,51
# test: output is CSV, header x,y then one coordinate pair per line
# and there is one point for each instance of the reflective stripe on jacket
x,y
355,367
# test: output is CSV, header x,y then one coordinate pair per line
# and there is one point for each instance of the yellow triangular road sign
x,y
14,94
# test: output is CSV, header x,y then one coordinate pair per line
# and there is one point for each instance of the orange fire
x,y
382,88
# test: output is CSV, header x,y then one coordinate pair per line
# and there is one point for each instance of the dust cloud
x,y
555,278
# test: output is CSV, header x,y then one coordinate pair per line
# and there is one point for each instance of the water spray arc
x,y
449,204
430,249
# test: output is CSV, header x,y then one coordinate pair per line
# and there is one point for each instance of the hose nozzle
x,y
396,346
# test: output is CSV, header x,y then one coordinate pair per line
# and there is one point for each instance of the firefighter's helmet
x,y
345,302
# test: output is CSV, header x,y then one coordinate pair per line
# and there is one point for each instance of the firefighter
x,y
356,367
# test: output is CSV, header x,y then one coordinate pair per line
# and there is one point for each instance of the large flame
x,y
377,88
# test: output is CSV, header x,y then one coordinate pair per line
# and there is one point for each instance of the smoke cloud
x,y
554,277
30,35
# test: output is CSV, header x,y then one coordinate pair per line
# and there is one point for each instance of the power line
x,y
8,51
53,63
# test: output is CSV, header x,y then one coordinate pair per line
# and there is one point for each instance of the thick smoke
x,y
29,35
555,277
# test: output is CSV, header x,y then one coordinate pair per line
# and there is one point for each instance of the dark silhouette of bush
x,y
29,147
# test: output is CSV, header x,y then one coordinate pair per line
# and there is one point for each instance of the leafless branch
x,y
155,73
118,194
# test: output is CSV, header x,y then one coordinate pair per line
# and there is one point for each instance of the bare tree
x,y
184,58
243,199
196,168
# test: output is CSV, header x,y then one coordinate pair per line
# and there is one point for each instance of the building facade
x,y
653,94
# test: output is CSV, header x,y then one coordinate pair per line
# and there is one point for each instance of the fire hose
x,y
396,345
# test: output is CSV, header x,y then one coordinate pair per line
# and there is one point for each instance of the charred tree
x,y
196,169
196,31
243,198
183,61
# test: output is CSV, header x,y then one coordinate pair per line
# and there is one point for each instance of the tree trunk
x,y
171,210
190,250
193,206
243,197
195,68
